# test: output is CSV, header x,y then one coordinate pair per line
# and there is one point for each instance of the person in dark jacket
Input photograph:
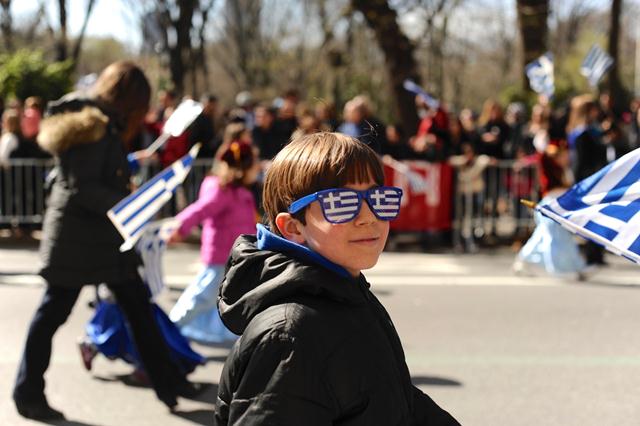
x,y
80,245
316,346
588,155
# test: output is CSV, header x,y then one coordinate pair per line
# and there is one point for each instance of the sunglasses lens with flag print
x,y
340,205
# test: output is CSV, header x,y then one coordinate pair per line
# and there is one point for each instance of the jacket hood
x,y
267,270
71,121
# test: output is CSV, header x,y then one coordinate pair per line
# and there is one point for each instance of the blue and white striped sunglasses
x,y
340,205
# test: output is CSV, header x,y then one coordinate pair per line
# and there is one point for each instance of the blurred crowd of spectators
x,y
470,141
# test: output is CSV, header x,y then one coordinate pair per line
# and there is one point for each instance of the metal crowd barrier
x,y
494,211
22,191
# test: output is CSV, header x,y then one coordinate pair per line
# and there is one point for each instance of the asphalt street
x,y
491,347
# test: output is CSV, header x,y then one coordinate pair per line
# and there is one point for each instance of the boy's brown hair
x,y
312,163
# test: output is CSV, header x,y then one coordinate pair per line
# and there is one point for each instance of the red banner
x,y
427,199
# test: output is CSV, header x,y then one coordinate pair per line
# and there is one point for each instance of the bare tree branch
x,y
80,39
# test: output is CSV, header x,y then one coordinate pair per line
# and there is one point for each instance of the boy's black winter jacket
x,y
316,349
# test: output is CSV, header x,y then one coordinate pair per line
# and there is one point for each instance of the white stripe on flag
x,y
146,214
618,171
591,213
588,234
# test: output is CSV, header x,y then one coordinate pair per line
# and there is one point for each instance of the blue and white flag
x,y
411,86
151,246
540,74
595,64
132,213
604,207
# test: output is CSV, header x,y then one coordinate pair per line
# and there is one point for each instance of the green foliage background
x,y
26,73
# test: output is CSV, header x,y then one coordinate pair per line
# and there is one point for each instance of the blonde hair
x,y
579,115
314,162
487,108
11,121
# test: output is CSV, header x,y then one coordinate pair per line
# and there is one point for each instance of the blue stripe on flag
x,y
601,230
572,199
623,213
621,187
635,246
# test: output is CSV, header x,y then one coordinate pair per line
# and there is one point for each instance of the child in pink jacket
x,y
226,209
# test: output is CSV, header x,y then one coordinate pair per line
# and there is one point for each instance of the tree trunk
x,y
532,20
6,22
201,53
180,52
61,42
615,86
399,56
78,45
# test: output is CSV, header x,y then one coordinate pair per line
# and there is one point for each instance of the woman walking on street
x,y
88,137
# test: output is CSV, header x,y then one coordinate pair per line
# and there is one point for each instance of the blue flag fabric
x,y
595,64
134,212
540,74
604,207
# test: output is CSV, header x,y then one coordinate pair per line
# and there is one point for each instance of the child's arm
x,y
211,201
280,385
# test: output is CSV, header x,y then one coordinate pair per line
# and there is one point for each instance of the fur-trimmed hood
x,y
60,132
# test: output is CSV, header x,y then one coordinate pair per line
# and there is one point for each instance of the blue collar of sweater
x,y
267,240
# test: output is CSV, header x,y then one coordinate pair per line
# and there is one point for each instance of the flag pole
x,y
528,203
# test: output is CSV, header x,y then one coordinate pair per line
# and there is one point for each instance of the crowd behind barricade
x,y
495,156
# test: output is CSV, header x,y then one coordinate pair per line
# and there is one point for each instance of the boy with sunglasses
x,y
317,347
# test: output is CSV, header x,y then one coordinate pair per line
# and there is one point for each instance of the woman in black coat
x,y
80,246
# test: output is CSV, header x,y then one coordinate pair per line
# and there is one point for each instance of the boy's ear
x,y
290,228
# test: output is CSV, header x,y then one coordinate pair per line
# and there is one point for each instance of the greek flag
x,y
540,74
151,246
385,202
132,213
411,86
595,64
604,207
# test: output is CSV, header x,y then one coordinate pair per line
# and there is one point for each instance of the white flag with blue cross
x,y
540,74
605,207
135,211
595,64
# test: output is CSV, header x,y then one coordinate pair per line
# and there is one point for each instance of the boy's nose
x,y
365,215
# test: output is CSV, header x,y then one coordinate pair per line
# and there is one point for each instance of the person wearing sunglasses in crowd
x,y
316,346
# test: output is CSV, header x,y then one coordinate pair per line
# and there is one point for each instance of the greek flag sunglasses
x,y
340,205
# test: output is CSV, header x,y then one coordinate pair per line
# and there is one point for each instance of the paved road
x,y
492,348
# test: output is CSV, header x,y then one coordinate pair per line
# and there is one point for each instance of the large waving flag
x,y
604,207
540,74
132,213
411,86
595,64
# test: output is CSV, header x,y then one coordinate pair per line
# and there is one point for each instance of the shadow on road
x,y
203,417
66,423
434,381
